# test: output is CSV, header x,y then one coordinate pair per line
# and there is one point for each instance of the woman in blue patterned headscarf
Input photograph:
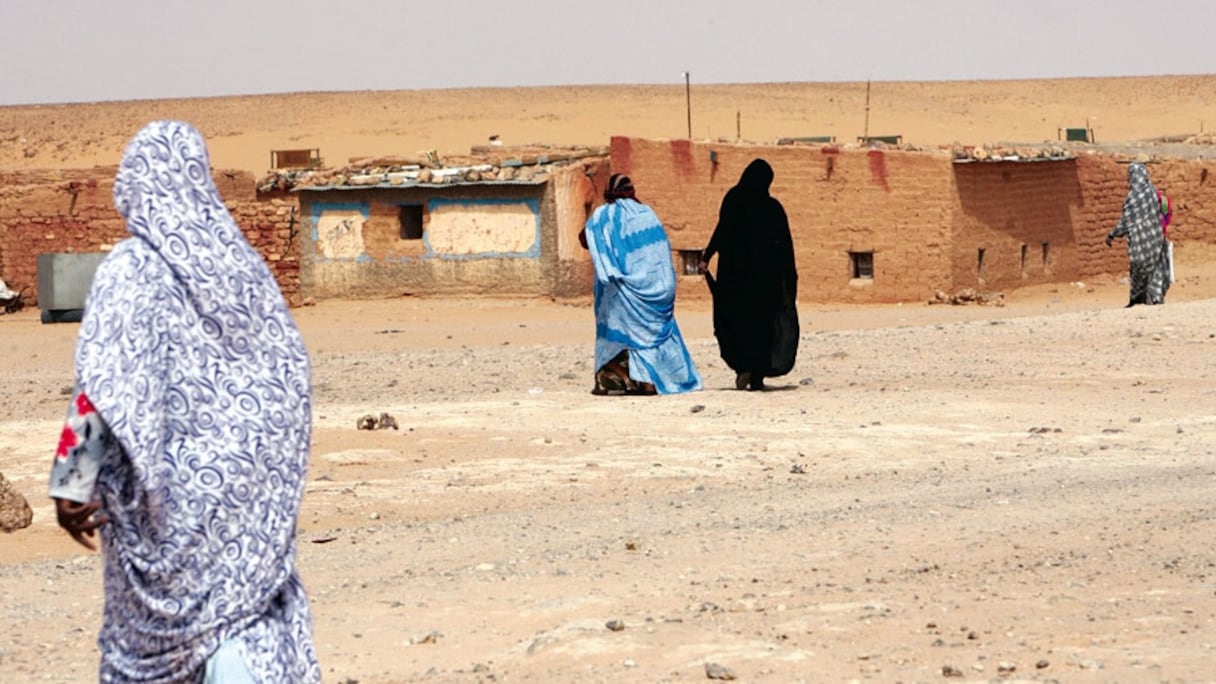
x,y
187,439
1140,223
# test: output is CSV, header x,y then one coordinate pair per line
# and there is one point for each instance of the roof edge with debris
x,y
486,165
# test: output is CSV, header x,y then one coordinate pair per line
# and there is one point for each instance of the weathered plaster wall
x,y
476,239
508,239
577,190
484,227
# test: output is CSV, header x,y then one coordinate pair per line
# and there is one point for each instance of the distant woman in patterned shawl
x,y
756,288
187,437
1140,223
638,346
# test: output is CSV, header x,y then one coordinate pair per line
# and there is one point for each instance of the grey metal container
x,y
64,280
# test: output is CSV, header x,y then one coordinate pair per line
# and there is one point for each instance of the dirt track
x,y
932,487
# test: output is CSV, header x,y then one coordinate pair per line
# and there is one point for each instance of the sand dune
x,y
242,130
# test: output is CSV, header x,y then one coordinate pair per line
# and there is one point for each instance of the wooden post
x,y
866,133
688,102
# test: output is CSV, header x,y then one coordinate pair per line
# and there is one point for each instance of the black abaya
x,y
756,288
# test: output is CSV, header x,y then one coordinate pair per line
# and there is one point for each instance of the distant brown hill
x,y
243,130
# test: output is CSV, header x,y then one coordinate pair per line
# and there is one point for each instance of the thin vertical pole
x,y
688,102
866,133
739,125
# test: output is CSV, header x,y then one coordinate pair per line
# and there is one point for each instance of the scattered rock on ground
x,y
382,422
15,512
968,295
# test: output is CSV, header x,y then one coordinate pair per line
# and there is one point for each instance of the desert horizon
x,y
243,129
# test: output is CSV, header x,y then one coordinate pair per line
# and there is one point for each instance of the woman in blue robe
x,y
638,346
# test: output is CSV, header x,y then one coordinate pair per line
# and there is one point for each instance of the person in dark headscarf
x,y
756,287
638,346
1140,223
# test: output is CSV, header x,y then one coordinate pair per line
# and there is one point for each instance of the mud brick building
x,y
870,224
504,222
890,225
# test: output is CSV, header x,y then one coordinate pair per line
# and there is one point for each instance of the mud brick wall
x,y
931,224
1025,223
895,205
273,228
1102,185
1191,185
73,211
53,211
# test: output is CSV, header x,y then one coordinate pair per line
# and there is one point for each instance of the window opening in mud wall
x,y
979,264
1025,251
411,221
862,265
1046,255
689,260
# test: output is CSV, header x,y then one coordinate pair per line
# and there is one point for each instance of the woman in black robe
x,y
756,288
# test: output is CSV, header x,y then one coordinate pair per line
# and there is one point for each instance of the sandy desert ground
x,y
934,494
1018,493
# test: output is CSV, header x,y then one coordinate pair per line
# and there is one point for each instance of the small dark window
x,y
689,260
1046,255
411,222
979,263
1024,253
862,264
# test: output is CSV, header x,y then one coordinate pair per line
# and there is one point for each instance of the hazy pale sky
x,y
87,50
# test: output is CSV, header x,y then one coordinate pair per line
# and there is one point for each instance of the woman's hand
x,y
79,521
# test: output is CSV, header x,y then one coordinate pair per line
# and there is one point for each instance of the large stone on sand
x,y
15,512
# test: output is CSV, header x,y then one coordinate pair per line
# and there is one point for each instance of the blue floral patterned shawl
x,y
189,353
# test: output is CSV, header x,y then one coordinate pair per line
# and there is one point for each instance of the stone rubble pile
x,y
1201,139
1018,153
968,295
961,153
522,164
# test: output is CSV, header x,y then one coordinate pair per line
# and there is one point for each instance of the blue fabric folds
x,y
635,294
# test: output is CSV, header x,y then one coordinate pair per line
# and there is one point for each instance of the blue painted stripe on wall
x,y
319,208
